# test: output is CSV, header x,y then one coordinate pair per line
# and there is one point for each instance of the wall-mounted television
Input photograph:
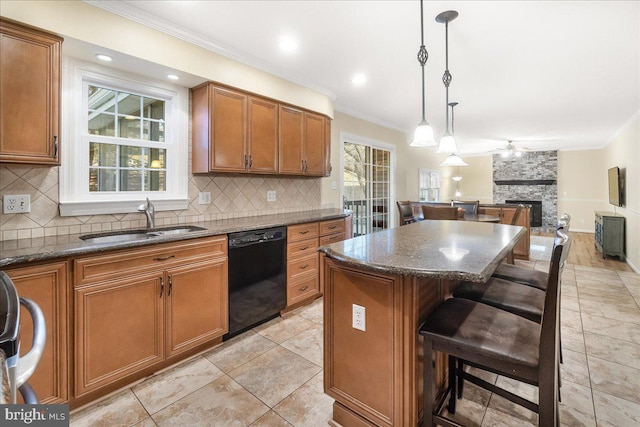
x,y
615,187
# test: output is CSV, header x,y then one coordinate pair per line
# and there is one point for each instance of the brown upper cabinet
x,y
237,132
30,95
304,147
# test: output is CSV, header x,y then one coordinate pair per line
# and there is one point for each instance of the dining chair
x,y
439,212
468,206
495,340
406,212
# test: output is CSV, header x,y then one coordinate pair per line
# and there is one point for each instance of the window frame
x,y
430,173
75,197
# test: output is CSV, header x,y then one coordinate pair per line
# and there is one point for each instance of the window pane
x,y
129,127
128,105
101,99
130,180
154,180
153,109
154,158
102,154
102,179
153,131
102,124
130,157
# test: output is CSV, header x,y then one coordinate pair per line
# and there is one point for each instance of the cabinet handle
x,y
55,146
332,227
161,285
304,288
170,286
246,162
250,161
164,258
305,248
302,267
303,232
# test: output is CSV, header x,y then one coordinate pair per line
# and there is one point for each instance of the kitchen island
x,y
378,289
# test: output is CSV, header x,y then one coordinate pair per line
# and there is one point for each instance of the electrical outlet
x,y
359,318
17,203
204,198
271,196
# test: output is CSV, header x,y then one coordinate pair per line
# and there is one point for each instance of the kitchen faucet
x,y
150,211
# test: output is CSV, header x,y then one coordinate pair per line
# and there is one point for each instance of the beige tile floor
x,y
272,375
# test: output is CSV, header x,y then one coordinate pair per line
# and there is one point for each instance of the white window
x,y
429,185
126,140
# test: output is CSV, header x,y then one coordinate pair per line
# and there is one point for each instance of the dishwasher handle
x,y
27,364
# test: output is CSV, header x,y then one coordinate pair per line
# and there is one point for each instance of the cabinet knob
x,y
304,288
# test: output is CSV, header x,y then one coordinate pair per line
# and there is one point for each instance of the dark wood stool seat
x,y
524,301
498,341
523,276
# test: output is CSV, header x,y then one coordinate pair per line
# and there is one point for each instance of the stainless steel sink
x,y
140,234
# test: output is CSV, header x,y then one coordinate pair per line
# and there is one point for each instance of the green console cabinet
x,y
610,234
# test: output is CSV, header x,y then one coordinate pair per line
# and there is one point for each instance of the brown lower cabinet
x,y
46,285
304,278
139,309
522,249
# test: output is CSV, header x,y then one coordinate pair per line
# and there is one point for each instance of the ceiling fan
x,y
511,150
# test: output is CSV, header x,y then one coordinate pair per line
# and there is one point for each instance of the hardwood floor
x,y
583,252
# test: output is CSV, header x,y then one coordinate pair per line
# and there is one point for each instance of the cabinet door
x,y
228,130
522,249
196,304
30,101
263,136
314,146
327,148
119,329
291,138
46,285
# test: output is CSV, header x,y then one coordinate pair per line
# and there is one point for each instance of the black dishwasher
x,y
257,277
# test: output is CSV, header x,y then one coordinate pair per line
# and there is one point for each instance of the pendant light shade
x,y
447,144
453,160
423,135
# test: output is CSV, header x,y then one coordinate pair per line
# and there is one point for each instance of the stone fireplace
x,y
529,179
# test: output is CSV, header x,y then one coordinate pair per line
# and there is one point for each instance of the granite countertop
x,y
48,248
455,250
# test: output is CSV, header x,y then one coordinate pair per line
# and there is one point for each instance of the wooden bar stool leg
x,y
428,384
452,384
460,379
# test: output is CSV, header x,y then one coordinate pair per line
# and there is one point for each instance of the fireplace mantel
x,y
525,182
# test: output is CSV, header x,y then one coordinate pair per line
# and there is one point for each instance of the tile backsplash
x,y
232,196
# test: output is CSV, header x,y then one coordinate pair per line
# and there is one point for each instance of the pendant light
x,y
448,142
423,135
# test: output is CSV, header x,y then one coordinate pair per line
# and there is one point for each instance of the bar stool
x,y
500,342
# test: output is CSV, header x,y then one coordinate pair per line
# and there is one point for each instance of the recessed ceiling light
x,y
359,79
103,57
172,77
288,44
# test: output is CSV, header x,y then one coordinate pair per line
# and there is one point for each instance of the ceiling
x,y
545,74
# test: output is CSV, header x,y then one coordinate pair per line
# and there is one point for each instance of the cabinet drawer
x,y
295,233
122,263
332,238
332,227
302,267
302,290
302,248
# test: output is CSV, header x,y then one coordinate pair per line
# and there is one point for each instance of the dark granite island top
x,y
378,289
456,250
22,251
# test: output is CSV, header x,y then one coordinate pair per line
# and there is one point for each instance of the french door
x,y
367,172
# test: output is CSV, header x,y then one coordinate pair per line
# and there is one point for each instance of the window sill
x,y
125,206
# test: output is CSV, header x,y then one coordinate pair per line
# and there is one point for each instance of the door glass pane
x,y
366,179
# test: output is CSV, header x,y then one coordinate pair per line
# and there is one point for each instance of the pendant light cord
x,y
423,56
446,78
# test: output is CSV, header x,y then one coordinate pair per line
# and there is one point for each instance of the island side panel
x,y
375,375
